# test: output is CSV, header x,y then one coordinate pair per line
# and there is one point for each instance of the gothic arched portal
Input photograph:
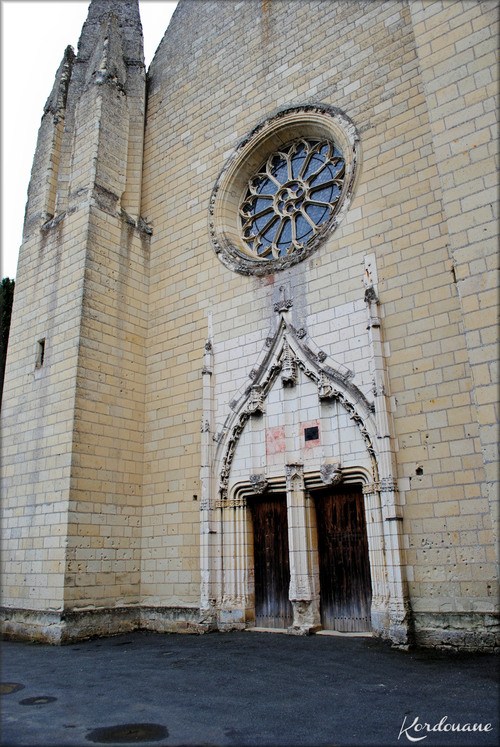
x,y
297,462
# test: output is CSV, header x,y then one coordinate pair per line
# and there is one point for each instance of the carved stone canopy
x,y
289,367
295,476
255,404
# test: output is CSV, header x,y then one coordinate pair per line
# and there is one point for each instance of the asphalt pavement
x,y
245,688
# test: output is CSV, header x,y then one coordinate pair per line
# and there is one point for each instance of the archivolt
x,y
284,355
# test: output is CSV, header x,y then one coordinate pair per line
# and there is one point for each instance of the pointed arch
x,y
284,355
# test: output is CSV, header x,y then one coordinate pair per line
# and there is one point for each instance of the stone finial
x,y
284,303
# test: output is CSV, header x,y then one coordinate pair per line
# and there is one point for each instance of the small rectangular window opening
x,y
311,434
40,353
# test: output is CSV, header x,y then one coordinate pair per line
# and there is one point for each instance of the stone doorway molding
x,y
234,600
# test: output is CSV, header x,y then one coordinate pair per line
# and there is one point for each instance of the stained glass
x,y
293,194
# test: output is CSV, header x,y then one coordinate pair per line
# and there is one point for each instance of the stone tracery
x,y
293,194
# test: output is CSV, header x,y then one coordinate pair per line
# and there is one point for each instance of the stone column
x,y
400,618
242,561
233,596
207,528
399,604
304,580
376,550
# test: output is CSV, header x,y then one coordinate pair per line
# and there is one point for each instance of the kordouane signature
x,y
423,728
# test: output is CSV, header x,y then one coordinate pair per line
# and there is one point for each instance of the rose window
x,y
295,192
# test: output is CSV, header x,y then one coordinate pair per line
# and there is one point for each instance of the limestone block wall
x,y
38,417
104,518
277,437
259,58
463,105
106,488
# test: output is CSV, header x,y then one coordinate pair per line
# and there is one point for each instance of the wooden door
x,y
273,609
345,585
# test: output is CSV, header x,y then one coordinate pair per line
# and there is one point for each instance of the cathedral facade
x,y
251,373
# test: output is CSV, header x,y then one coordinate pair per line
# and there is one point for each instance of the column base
x,y
306,617
401,626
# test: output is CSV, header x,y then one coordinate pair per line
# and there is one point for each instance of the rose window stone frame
x,y
307,159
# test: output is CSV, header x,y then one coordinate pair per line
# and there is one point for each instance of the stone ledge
x,y
462,631
172,620
67,626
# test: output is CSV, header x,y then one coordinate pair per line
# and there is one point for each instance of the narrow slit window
x,y
40,353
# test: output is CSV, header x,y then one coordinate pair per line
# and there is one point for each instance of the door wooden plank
x,y
273,609
345,584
